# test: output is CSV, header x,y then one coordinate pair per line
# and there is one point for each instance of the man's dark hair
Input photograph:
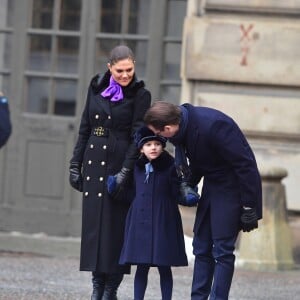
x,y
119,53
162,113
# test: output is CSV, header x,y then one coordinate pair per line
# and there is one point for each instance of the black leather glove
x,y
123,176
249,219
189,196
75,177
121,179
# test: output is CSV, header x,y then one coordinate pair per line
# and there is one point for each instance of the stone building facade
x,y
243,58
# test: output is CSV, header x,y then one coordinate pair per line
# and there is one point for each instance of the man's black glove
x,y
189,196
116,186
249,219
75,177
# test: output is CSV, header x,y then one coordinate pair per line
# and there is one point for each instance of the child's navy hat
x,y
144,135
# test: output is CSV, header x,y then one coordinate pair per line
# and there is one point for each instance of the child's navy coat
x,y
153,231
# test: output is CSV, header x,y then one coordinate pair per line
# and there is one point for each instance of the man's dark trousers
x,y
214,264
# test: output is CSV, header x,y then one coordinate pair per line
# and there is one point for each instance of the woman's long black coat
x,y
103,219
153,232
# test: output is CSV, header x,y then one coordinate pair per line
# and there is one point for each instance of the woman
x,y
114,110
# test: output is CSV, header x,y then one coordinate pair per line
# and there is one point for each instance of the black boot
x,y
111,286
98,280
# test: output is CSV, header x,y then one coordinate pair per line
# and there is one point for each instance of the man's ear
x,y
167,128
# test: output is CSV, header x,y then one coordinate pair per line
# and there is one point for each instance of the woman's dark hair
x,y
120,52
162,113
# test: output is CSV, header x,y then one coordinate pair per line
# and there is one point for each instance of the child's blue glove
x,y
188,195
111,184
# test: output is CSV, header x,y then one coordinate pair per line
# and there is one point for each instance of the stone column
x,y
269,247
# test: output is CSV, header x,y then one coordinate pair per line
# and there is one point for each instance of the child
x,y
153,231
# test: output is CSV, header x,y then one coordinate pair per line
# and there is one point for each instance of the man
x,y
231,198
5,124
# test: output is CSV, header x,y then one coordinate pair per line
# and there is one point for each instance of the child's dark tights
x,y
141,280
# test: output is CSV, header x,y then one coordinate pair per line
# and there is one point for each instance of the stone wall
x,y
242,57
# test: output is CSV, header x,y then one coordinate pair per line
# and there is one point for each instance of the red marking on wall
x,y
245,42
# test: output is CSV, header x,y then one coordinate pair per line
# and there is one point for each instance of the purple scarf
x,y
113,91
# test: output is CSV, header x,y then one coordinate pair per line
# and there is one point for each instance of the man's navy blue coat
x,y
219,152
5,124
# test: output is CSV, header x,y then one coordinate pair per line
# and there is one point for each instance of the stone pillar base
x,y
269,247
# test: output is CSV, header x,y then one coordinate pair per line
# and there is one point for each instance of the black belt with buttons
x,y
100,131
105,132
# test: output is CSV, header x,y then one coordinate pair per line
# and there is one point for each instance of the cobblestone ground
x,y
32,277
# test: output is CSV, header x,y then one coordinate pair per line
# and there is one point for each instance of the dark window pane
x,y
67,54
37,95
6,12
132,17
5,51
139,49
111,16
70,15
172,61
65,97
39,53
176,14
42,13
139,17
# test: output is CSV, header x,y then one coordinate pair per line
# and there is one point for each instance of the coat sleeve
x,y
231,144
142,103
84,133
5,123
194,178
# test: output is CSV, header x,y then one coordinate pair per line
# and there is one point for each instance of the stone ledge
x,y
43,244
40,244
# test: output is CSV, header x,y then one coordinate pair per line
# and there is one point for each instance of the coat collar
x,y
165,160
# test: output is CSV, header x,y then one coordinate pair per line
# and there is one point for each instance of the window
x,y
42,15
124,16
123,22
172,50
6,12
52,57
